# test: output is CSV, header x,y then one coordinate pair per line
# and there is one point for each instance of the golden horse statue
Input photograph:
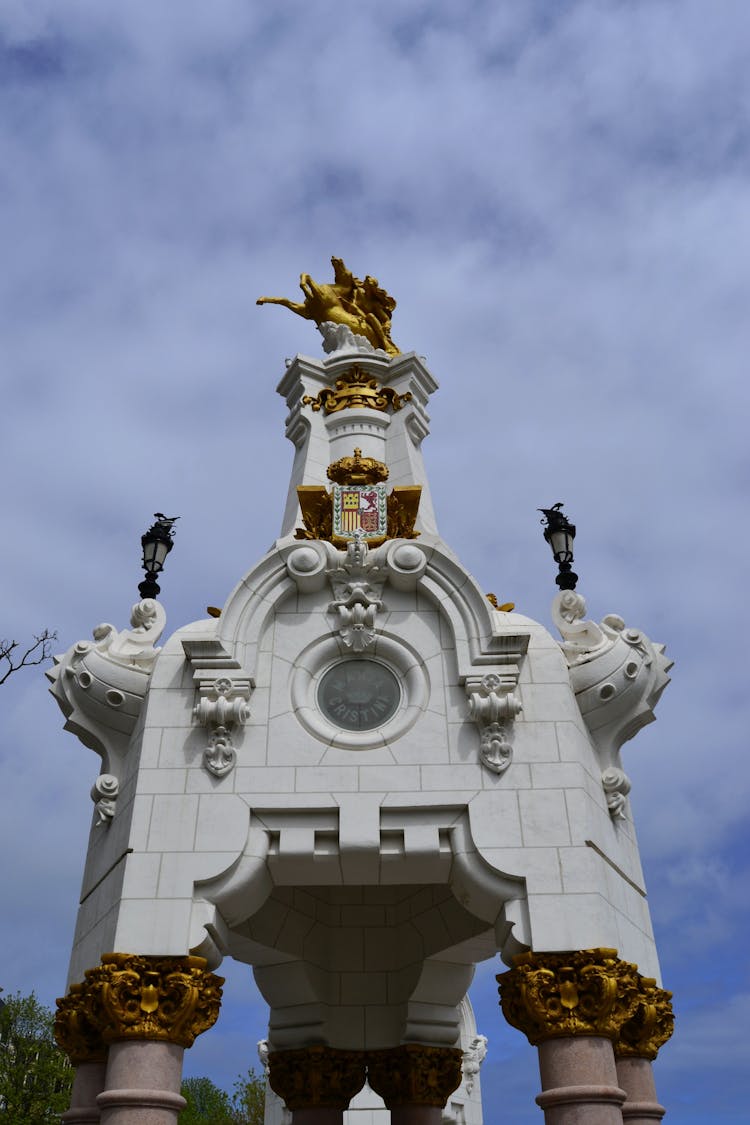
x,y
362,306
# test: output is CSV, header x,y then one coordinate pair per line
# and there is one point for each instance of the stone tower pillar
x,y
361,779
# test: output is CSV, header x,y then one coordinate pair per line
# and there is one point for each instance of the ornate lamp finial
x,y
157,542
560,533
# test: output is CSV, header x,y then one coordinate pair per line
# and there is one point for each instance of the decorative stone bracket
x,y
222,704
357,578
100,686
618,676
357,585
493,705
474,1056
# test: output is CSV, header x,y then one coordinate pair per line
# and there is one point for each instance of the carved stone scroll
x,y
618,676
357,584
222,704
493,705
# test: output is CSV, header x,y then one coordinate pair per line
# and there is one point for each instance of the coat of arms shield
x,y
360,507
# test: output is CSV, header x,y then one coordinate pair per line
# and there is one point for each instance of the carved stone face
x,y
359,694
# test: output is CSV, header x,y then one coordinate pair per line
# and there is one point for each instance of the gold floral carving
x,y
80,1039
172,999
316,506
650,1027
357,470
312,1077
356,388
589,992
414,1074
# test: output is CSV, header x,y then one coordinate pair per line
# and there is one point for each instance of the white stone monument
x,y
362,779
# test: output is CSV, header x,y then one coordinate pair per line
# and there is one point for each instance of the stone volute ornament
x,y
551,995
493,706
100,686
618,676
316,1077
356,388
168,999
350,312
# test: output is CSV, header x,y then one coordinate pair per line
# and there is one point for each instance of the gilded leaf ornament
x,y
318,1076
75,1034
415,1074
590,992
172,999
650,1027
355,388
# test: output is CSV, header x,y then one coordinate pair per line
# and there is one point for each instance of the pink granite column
x,y
82,1042
88,1082
320,1115
416,1115
143,1084
146,1011
579,1082
637,1045
572,1006
637,1080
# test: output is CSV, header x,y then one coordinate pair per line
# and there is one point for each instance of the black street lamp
x,y
156,543
560,534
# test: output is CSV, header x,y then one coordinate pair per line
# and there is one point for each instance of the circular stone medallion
x,y
359,695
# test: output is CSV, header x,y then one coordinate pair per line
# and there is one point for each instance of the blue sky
x,y
558,196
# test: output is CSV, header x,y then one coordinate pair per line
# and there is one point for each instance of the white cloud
x,y
558,197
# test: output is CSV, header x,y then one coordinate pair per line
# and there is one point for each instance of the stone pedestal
x,y
637,1080
87,1084
143,1084
579,1082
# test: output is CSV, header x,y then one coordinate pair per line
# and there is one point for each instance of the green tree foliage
x,y
249,1100
208,1105
35,1076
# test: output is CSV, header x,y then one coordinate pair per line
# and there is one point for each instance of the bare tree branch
x,y
37,652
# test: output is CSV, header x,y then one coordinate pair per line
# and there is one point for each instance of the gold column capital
x,y
80,1039
128,996
415,1074
587,992
649,1028
316,1077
